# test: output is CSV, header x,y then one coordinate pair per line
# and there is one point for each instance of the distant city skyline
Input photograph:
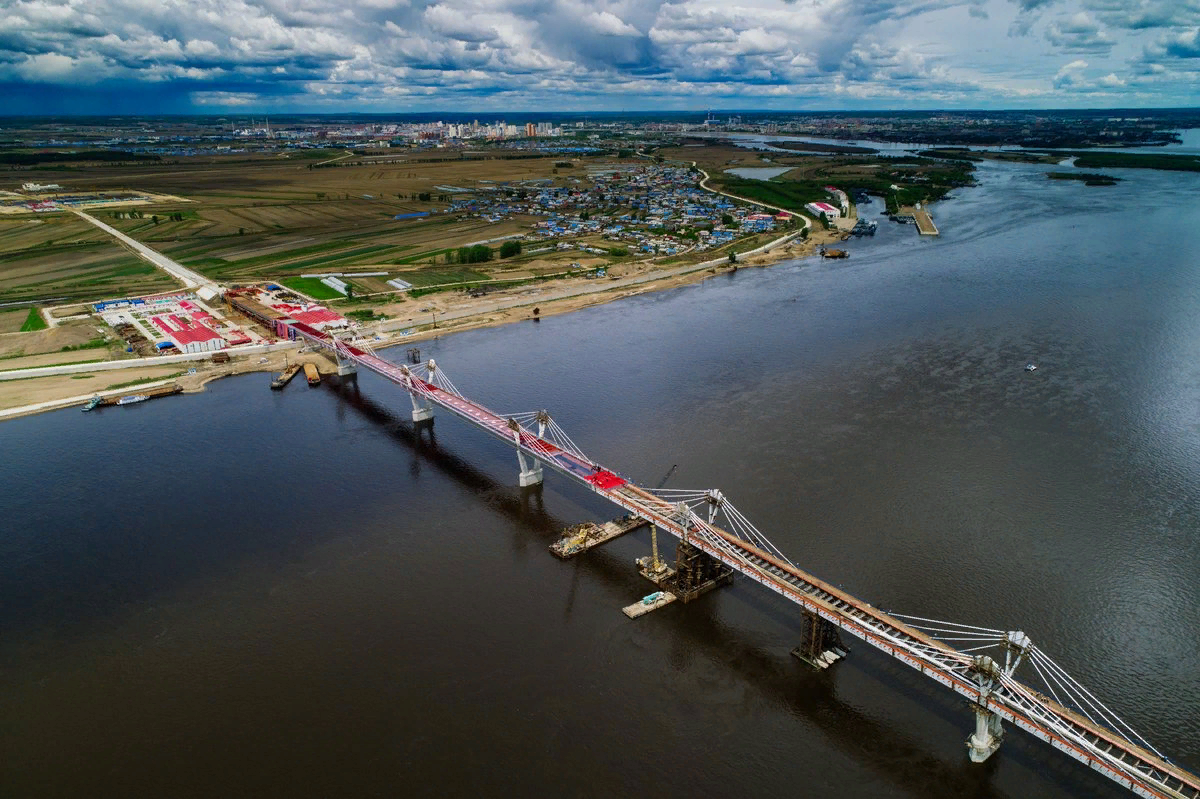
x,y
505,57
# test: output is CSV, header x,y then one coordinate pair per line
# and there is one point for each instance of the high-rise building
x,y
530,130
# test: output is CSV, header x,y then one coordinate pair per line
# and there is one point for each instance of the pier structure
x,y
717,541
924,222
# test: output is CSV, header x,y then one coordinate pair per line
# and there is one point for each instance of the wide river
x,y
248,593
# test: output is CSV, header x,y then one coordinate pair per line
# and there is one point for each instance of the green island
x,y
1088,178
1088,159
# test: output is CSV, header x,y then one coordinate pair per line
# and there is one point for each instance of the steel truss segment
x,y
1105,750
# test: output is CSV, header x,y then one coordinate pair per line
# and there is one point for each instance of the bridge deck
x,y
1104,750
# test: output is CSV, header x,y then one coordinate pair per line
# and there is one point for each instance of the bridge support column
x,y
696,573
987,736
422,410
346,367
530,474
822,645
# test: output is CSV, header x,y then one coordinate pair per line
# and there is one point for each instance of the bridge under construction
x,y
716,541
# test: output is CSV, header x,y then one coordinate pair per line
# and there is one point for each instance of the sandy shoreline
x,y
21,397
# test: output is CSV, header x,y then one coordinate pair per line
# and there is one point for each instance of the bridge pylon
x,y
696,572
422,409
531,472
987,673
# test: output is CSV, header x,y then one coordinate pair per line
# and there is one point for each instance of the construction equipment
x,y
653,568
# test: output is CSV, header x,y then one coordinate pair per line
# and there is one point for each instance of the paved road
x,y
189,278
807,221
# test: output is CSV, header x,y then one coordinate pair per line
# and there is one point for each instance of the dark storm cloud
x,y
333,53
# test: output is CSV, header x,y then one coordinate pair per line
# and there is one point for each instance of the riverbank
x,y
20,396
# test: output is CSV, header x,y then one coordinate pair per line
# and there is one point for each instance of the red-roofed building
x,y
313,315
816,209
188,334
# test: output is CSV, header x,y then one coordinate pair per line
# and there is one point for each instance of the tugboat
x,y
93,403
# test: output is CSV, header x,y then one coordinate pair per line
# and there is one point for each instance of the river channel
x,y
249,593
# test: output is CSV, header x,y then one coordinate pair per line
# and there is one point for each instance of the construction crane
x,y
655,567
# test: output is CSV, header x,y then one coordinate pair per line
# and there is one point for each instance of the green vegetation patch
x,y
1177,163
366,315
790,194
56,157
950,152
94,344
436,277
33,321
142,380
313,287
1088,178
421,256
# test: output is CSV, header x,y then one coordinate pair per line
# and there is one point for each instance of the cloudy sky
x,y
128,56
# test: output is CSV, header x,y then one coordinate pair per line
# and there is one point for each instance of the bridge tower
x,y
422,409
345,364
696,572
987,674
531,473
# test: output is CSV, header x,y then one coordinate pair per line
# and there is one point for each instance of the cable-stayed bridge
x,y
978,663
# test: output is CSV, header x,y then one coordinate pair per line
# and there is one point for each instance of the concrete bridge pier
x,y
422,410
346,367
987,736
531,474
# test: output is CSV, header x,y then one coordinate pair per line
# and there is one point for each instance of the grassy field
x,y
433,277
12,319
33,321
58,257
252,218
313,287
920,179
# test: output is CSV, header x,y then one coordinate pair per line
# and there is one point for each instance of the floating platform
x,y
661,578
654,601
582,537
149,393
310,372
286,376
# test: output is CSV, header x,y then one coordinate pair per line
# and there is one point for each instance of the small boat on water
x,y
93,403
864,227
1031,367
132,398
312,375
